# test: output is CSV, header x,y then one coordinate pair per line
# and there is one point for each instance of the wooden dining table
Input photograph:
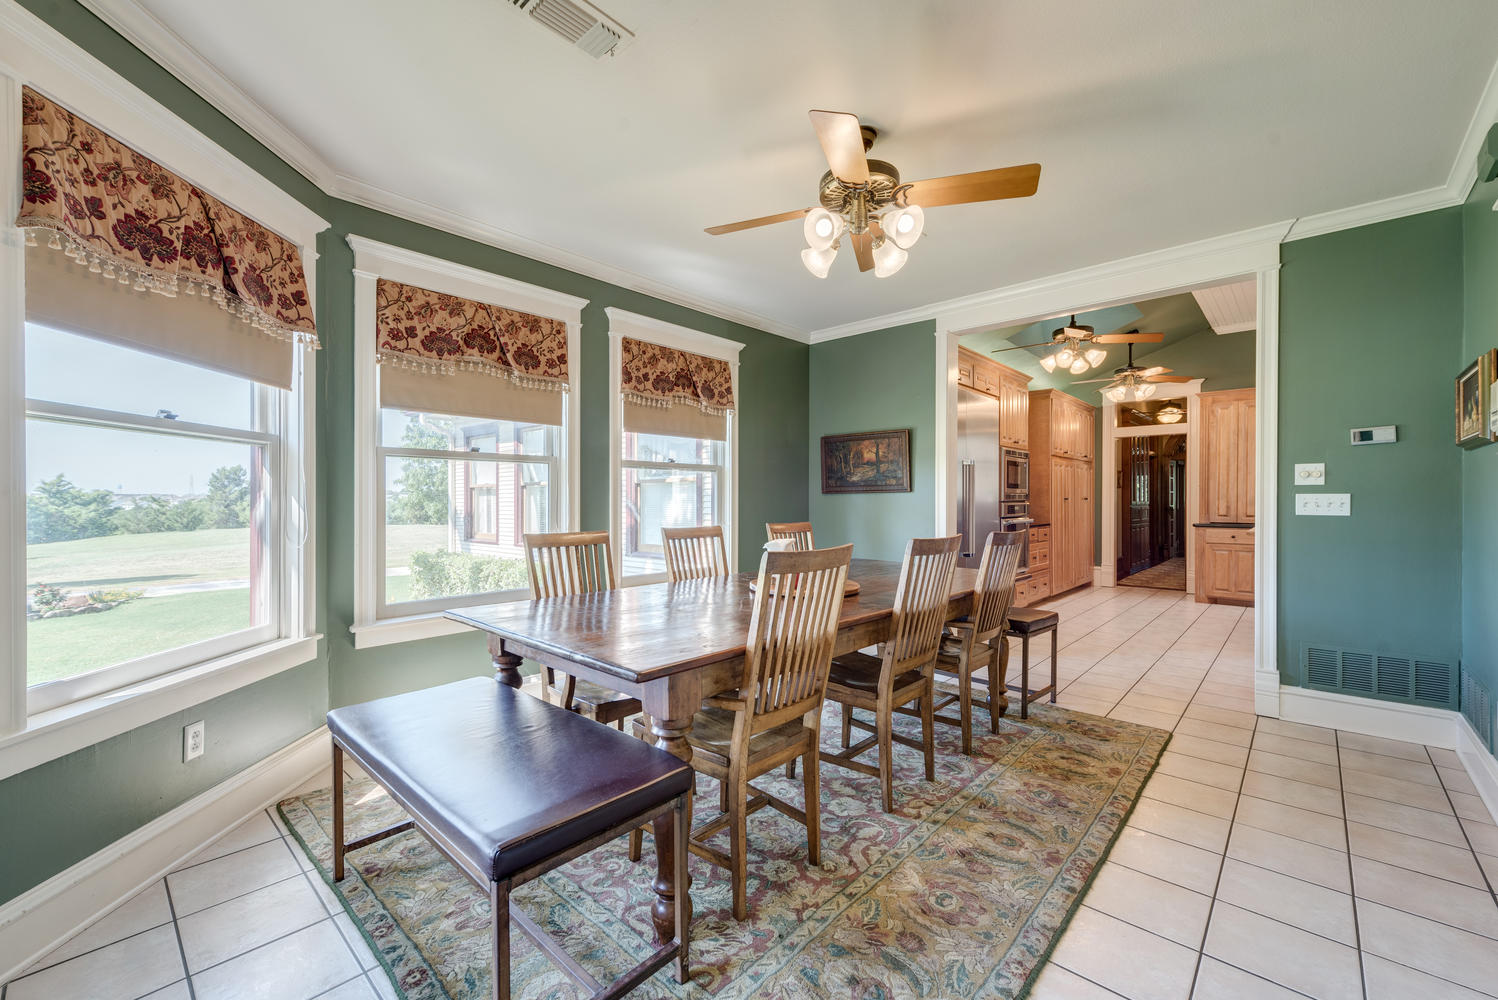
x,y
671,645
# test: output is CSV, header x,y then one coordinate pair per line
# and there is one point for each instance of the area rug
x,y
1169,575
962,892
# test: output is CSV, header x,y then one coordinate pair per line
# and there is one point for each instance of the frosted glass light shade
x,y
1048,362
1065,357
888,258
1079,366
1144,391
1116,394
818,262
822,228
1096,356
904,225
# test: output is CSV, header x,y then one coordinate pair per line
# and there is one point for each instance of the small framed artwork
x,y
1473,389
867,462
1493,395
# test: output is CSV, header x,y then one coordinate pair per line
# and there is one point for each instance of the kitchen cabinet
x,y
1011,388
1062,484
1224,565
1227,422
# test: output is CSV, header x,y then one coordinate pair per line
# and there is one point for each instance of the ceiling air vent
x,y
580,23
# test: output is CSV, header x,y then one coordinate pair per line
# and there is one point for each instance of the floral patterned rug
x,y
962,892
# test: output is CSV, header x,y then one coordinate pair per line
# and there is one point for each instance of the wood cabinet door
x,y
1247,461
1084,485
1061,539
1221,488
964,372
1019,392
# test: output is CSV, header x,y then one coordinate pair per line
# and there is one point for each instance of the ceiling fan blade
x,y
842,144
763,220
1156,370
980,185
863,248
1089,381
1168,378
1129,338
1021,347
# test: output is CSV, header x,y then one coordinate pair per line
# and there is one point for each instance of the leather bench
x,y
1023,624
509,787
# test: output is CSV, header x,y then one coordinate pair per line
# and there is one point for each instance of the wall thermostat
x,y
1374,435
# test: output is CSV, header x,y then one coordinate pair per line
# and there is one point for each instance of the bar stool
x,y
1024,623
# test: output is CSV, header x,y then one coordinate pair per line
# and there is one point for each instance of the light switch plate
x,y
1310,474
1324,504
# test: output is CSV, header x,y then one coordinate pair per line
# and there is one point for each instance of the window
x,y
446,497
668,482
673,465
458,495
150,514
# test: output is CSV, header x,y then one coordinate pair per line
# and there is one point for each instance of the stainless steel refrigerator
x,y
978,488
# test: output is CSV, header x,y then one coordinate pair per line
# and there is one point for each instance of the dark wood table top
x,y
640,634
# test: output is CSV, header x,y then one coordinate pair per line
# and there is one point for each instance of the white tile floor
x,y
1265,859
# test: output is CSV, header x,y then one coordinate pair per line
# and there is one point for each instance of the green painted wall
x,y
1223,361
876,381
1370,334
1479,466
62,811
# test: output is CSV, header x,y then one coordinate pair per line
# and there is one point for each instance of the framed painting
x,y
1493,395
867,462
1473,388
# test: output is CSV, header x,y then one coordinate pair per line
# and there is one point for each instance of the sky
x,y
65,368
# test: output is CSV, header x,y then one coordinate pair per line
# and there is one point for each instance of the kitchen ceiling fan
x,y
1073,352
1133,383
866,199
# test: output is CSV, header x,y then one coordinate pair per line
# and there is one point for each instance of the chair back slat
x,y
569,562
921,602
694,553
994,594
792,628
797,531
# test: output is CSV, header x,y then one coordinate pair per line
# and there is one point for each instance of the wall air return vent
x,y
1379,675
580,23
1477,706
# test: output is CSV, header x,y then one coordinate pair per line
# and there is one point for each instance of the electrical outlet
x,y
1310,474
193,740
1324,504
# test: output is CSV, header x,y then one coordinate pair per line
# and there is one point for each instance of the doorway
x,y
1152,515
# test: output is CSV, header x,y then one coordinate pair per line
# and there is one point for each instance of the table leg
x,y
671,736
507,665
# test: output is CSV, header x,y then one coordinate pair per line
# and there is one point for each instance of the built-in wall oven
x,y
1016,474
1015,516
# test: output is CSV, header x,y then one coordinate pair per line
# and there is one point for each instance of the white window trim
x,y
654,331
35,55
374,260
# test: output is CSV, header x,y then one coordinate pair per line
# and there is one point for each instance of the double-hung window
x,y
158,340
467,436
673,424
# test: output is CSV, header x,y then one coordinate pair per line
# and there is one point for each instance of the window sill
x,y
407,629
60,731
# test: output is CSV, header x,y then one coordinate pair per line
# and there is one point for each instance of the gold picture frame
x,y
1473,394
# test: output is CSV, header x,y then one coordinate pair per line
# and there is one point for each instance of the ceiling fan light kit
x,y
865,198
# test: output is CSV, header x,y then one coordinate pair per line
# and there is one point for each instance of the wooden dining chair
x,y
693,553
902,673
797,531
976,640
576,562
776,714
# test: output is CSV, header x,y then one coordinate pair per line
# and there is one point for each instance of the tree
x,y
152,514
420,494
228,501
58,511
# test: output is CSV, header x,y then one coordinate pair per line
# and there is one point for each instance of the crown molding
x,y
146,32
1371,212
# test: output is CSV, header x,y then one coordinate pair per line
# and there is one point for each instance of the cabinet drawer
x,y
1038,535
1032,589
1040,555
1227,536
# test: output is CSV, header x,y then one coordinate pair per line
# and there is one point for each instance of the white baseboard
x,y
41,918
1390,719
1103,576
1481,766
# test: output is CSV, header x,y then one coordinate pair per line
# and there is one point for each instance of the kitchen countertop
x,y
1223,524
1040,524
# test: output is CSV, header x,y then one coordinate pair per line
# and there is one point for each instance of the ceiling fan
x,y
1073,352
866,199
1132,383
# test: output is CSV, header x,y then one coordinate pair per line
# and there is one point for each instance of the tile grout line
x,y
1201,950
171,907
1352,881
1465,836
1119,645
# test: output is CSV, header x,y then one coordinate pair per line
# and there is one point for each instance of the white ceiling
x,y
1158,123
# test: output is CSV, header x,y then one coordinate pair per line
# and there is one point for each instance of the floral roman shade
x,y
675,392
449,354
124,216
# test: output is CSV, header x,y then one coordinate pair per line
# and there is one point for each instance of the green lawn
x,y
403,539
63,647
156,559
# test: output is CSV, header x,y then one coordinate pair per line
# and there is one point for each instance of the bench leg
x,y
338,838
499,956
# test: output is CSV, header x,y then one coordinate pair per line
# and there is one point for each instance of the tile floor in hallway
x,y
1265,859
